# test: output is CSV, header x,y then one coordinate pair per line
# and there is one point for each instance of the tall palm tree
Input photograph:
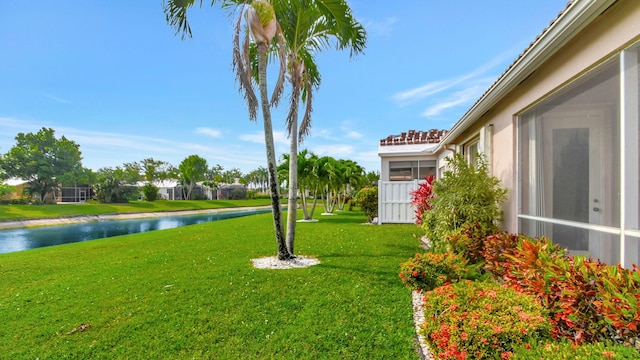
x,y
261,25
309,26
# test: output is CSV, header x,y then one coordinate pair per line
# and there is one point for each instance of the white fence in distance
x,y
394,201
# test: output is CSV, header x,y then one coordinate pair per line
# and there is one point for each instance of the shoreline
x,y
78,219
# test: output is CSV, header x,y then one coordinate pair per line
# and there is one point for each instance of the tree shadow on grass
x,y
343,217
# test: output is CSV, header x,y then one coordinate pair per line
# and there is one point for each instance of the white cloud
x,y
335,151
458,98
381,27
279,137
209,132
410,96
56,99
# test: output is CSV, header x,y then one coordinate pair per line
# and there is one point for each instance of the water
x,y
25,239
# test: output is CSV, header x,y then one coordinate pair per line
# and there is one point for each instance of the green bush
x,y
562,350
367,199
478,320
150,192
430,270
466,194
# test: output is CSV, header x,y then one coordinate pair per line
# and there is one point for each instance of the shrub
x,y
420,198
475,320
619,302
468,241
497,250
367,199
150,192
466,194
561,350
430,270
588,300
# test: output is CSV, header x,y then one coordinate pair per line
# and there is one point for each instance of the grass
x,y
191,292
15,212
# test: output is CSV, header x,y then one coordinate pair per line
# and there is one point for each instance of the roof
x,y
411,142
14,182
569,22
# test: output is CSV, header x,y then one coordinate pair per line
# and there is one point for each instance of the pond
x,y
31,238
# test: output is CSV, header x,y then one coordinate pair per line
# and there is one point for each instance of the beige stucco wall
x,y
617,28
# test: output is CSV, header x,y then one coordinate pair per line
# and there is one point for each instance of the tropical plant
x,y
467,193
421,198
39,159
262,26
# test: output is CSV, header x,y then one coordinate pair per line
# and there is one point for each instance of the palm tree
x,y
308,180
262,26
308,26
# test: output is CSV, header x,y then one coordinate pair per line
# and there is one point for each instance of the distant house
x,y
18,184
405,161
171,189
560,128
235,191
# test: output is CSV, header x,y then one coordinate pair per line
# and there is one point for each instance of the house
x,y
560,129
406,160
19,186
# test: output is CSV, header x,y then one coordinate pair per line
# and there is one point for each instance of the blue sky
x,y
113,77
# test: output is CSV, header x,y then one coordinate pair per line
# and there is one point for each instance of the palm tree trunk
x,y
274,186
293,168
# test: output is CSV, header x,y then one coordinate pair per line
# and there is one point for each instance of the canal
x,y
31,238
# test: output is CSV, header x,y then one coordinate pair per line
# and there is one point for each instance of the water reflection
x,y
25,239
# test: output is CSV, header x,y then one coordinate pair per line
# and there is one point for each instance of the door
x,y
574,178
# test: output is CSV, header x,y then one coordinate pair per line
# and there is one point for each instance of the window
x,y
574,149
411,170
471,152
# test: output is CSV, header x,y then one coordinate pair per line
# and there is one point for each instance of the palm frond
x,y
278,90
242,67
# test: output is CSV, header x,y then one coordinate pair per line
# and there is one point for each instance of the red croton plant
x,y
420,198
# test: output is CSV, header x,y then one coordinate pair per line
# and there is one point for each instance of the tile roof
x,y
432,136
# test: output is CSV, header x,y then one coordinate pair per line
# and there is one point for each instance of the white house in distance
x,y
560,129
406,160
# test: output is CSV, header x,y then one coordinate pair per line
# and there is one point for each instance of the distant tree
x,y
154,170
40,159
6,189
112,186
258,178
372,178
132,173
3,174
229,176
79,176
352,176
192,169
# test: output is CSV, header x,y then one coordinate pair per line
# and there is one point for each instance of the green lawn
x,y
14,212
192,293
